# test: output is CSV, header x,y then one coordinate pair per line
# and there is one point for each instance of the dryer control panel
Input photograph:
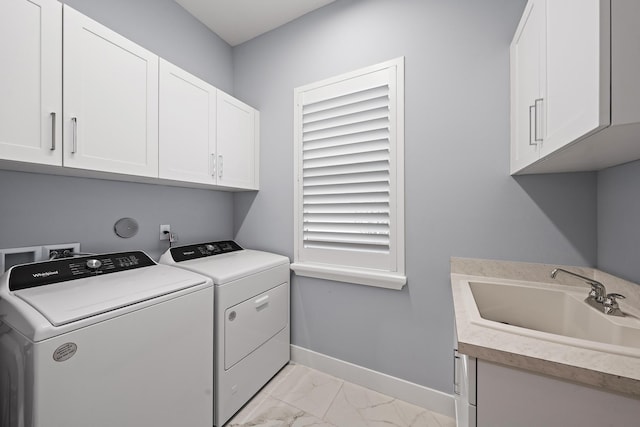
x,y
62,270
202,250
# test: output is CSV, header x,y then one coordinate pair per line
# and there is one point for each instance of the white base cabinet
x,y
31,81
464,389
110,100
508,397
575,95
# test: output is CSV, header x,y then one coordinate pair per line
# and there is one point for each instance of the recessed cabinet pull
x,y
261,302
531,107
53,131
74,141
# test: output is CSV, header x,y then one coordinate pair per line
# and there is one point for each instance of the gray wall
x,y
41,209
619,221
45,209
460,199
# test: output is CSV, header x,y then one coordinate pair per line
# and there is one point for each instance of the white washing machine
x,y
252,341
103,341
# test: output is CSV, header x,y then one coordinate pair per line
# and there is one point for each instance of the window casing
x,y
349,177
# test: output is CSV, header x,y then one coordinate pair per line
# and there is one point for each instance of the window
x,y
349,177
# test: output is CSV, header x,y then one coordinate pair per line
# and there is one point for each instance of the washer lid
x,y
66,302
231,266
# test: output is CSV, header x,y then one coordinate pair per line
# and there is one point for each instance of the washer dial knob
x,y
94,264
210,248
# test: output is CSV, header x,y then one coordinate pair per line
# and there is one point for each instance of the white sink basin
x,y
552,313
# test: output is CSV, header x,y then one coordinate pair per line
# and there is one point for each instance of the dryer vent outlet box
x,y
14,256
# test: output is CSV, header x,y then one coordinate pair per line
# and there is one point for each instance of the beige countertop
x,y
613,372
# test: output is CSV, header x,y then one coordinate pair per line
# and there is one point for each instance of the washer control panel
x,y
202,250
62,270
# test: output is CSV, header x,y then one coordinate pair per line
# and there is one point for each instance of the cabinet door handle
x,y
537,124
53,131
456,373
74,140
220,166
531,107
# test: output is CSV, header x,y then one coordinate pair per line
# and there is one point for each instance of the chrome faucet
x,y
598,291
598,297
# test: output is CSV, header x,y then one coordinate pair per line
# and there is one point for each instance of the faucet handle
x,y
612,297
611,304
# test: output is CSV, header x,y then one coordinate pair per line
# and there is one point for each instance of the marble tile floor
x,y
303,397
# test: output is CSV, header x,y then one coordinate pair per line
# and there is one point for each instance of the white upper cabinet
x,y
187,126
586,114
117,108
527,82
577,99
110,100
206,136
237,143
31,81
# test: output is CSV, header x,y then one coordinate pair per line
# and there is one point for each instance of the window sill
x,y
362,276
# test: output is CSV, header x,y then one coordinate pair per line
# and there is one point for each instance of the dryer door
x,y
253,322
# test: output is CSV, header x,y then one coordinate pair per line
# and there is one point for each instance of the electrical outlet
x,y
165,231
63,250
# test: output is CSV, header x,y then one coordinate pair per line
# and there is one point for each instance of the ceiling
x,y
237,21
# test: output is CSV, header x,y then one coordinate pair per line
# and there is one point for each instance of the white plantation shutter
x,y
349,213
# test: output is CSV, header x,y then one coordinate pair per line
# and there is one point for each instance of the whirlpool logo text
x,y
45,274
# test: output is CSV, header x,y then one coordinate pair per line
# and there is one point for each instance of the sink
x,y
553,313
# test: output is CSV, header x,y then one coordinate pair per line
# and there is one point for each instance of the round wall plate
x,y
126,227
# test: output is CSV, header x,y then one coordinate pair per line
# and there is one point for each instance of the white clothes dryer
x,y
103,341
252,338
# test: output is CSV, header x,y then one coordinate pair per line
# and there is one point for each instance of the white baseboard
x,y
416,394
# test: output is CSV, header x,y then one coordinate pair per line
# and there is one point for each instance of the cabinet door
x,y
187,126
509,397
578,52
237,142
527,80
31,81
110,100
